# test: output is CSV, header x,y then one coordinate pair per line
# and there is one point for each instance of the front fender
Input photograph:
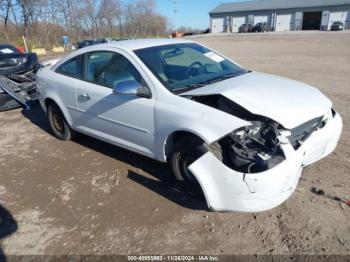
x,y
185,115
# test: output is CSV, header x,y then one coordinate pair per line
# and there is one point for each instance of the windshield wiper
x,y
220,78
195,85
188,87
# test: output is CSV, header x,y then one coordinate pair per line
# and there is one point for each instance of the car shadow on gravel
x,y
169,191
37,116
8,226
163,184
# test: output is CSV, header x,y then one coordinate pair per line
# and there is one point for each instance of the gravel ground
x,y
88,197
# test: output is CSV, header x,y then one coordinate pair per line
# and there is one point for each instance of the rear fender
x,y
52,96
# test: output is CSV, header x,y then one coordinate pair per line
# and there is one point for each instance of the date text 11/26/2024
x,y
174,258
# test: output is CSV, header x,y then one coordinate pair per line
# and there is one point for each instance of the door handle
x,y
84,97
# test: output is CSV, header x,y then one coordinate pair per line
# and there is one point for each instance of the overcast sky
x,y
192,13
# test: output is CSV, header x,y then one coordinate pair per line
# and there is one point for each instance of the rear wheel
x,y
186,151
58,123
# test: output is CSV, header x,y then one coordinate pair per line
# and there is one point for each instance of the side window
x,y
72,67
109,68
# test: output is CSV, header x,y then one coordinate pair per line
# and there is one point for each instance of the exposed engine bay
x,y
17,79
250,149
253,149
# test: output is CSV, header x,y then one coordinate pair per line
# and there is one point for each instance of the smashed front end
x,y
253,148
261,162
17,79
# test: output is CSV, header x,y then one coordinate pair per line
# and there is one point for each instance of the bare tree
x,y
44,22
25,8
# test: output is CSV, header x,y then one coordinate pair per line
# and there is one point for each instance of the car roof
x,y
135,44
127,45
11,47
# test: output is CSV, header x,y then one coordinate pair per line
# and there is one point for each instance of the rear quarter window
x,y
72,68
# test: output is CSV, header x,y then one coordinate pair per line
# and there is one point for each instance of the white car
x,y
240,137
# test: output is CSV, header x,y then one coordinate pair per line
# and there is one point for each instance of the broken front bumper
x,y
229,190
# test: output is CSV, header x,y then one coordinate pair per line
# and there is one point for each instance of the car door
x,y
126,120
64,81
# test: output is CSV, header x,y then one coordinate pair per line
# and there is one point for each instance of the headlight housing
x,y
253,148
253,129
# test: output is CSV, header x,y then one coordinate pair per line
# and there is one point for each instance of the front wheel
x,y
58,123
187,151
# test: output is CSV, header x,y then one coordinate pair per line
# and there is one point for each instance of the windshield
x,y
181,67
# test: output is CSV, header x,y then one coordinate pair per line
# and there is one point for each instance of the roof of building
x,y
274,4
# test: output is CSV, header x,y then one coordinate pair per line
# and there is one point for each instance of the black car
x,y
8,49
337,26
17,77
245,28
261,27
13,62
101,41
84,43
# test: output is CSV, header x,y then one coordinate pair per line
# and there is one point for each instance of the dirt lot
x,y
87,197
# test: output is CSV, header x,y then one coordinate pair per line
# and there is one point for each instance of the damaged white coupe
x,y
240,138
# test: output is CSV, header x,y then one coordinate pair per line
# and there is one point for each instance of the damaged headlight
x,y
254,148
253,129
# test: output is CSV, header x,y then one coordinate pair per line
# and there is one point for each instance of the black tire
x,y
58,123
186,151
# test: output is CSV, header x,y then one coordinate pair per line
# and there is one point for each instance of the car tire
x,y
58,123
186,151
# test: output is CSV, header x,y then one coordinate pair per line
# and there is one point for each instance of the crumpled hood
x,y
286,101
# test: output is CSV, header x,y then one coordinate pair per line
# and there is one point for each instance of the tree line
x,y
44,22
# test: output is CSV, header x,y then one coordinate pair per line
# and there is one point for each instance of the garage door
x,y
237,22
336,16
217,25
283,22
260,19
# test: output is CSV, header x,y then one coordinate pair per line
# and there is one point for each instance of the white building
x,y
281,15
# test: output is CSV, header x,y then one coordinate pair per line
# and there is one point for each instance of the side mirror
x,y
132,88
